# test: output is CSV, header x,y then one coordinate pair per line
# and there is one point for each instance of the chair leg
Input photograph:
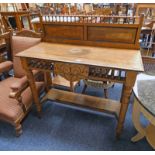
x,y
105,93
18,129
113,85
84,89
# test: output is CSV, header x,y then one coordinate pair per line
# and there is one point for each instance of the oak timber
x,y
96,103
125,59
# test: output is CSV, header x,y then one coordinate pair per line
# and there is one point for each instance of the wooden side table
x,y
144,102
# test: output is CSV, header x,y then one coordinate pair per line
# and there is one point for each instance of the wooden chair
x,y
144,102
4,40
149,41
5,46
15,95
105,85
5,54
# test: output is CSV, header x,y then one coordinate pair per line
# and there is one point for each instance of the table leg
x,y
127,89
31,80
48,81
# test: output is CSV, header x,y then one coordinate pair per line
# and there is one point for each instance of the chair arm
x,y
6,66
21,84
18,87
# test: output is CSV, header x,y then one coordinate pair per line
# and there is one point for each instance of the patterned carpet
x,y
64,128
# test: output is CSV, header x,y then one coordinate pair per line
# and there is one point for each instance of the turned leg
x,y
79,83
127,89
84,88
48,81
71,86
18,129
106,93
113,85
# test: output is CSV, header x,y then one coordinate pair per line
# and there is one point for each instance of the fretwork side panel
x,y
76,72
40,64
102,73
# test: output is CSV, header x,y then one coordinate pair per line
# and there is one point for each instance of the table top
x,y
126,59
144,90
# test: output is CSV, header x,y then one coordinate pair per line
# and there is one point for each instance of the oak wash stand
x,y
81,61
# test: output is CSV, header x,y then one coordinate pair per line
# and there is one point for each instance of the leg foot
x,y
84,89
18,129
105,93
137,137
118,134
39,114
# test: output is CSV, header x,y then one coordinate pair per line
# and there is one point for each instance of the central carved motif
x,y
71,72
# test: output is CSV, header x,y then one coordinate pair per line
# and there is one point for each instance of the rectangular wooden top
x,y
125,59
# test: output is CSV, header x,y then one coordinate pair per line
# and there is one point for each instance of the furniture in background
x,y
147,9
105,85
144,102
148,39
5,51
18,19
3,41
15,95
5,46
